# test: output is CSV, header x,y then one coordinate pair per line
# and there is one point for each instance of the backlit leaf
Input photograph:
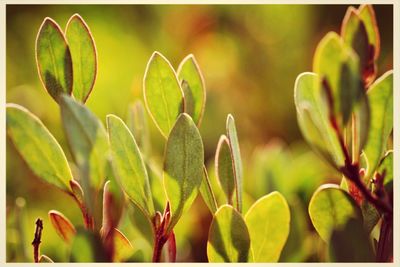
x,y
128,165
45,259
367,15
224,168
228,238
84,57
207,192
137,123
183,166
64,228
330,208
38,147
268,221
193,88
53,59
162,93
122,247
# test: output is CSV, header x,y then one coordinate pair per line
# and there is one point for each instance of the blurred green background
x,y
250,57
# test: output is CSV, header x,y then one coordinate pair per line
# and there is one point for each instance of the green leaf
x,y
87,246
38,147
53,59
380,95
113,205
193,87
129,166
64,228
183,166
162,93
137,123
367,15
207,193
386,168
338,65
84,57
87,140
268,221
122,247
228,238
156,185
236,159
224,168
330,208
351,243
312,116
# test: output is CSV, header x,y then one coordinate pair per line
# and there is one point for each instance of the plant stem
x,y
37,239
158,246
384,251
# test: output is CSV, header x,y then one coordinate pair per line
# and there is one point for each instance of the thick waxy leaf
x,y
367,15
122,247
84,57
162,93
64,228
330,208
183,166
193,88
228,238
236,159
268,221
87,140
38,147
312,115
351,243
53,59
45,259
207,193
128,165
380,95
87,246
338,66
224,168
137,123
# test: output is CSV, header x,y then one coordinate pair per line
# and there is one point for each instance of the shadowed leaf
x,y
228,238
64,228
87,247
53,59
38,147
137,123
84,57
367,15
162,93
224,168
183,166
268,221
207,192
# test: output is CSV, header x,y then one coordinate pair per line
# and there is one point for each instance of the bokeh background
x,y
250,56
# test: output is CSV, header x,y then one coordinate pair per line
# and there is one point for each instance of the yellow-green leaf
x,y
380,96
207,192
367,15
64,228
224,168
236,159
122,246
128,165
183,166
137,123
193,88
330,208
84,57
38,147
45,259
228,238
53,59
87,246
268,221
162,93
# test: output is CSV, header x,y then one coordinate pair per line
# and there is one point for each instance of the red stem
x,y
37,239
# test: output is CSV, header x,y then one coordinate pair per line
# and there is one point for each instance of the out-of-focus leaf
x,y
128,165
137,123
351,243
268,222
370,214
228,238
84,57
87,247
312,115
64,228
330,208
236,159
162,93
224,168
193,87
53,59
87,140
45,259
77,191
367,15
207,193
380,95
113,202
338,65
183,166
122,247
156,186
386,168
38,147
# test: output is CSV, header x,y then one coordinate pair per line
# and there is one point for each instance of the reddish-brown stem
x,y
384,251
37,239
88,219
